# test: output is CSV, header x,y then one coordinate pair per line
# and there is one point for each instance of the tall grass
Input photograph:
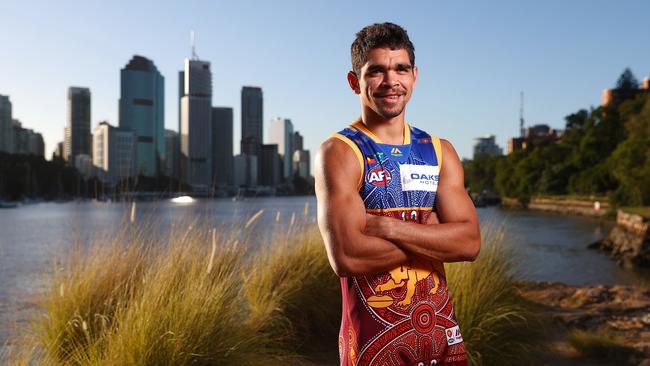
x,y
204,297
499,327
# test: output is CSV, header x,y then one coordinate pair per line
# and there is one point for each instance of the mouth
x,y
389,97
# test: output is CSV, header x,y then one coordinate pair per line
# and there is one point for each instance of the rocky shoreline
x,y
628,242
619,310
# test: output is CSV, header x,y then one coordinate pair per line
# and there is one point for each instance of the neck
x,y
388,130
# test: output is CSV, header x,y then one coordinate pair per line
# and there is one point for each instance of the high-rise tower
x,y
77,131
222,144
252,117
142,110
196,125
6,130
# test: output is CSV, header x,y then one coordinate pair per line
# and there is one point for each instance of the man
x,y
391,209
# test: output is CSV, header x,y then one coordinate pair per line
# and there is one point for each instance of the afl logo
x,y
378,177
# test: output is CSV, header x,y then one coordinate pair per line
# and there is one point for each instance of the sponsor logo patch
x,y
453,335
419,177
396,152
378,177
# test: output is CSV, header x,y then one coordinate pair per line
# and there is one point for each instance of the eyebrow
x,y
399,66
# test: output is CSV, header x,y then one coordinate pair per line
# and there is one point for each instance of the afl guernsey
x,y
403,316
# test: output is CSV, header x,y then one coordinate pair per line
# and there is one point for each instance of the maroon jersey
x,y
403,316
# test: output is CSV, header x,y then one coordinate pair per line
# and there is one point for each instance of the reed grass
x,y
226,296
499,327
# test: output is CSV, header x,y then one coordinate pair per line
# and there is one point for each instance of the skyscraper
x,y
196,125
252,117
270,165
142,109
222,141
297,141
6,130
77,132
114,152
281,133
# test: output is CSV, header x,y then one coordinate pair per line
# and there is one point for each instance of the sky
x,y
474,59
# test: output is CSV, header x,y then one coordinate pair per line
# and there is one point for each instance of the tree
x,y
627,81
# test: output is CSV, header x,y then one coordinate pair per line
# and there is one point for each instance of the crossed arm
x,y
359,244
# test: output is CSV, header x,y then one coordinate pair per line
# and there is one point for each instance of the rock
x,y
620,310
629,241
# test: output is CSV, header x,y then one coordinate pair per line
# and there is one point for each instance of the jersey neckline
x,y
362,127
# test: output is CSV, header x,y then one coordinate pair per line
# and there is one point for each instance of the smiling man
x,y
391,211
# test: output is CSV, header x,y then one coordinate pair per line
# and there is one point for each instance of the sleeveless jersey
x,y
403,316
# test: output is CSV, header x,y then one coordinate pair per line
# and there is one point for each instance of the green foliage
x,y
605,152
481,172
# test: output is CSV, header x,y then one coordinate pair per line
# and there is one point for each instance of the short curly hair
x,y
379,35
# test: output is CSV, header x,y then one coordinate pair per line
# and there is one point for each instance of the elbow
x,y
473,247
347,266
341,265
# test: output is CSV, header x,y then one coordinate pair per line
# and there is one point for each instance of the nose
x,y
390,80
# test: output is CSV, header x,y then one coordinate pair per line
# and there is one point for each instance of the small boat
x,y
6,204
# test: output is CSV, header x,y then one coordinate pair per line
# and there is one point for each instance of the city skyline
x,y
474,60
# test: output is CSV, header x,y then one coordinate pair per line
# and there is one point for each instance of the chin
x,y
390,113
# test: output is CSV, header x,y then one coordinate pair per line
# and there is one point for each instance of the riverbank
x,y
595,322
596,207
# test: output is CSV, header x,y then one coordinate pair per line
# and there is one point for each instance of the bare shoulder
x,y
448,148
337,160
451,170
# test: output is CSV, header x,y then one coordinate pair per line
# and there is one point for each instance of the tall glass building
x,y
6,132
196,125
142,110
77,132
252,116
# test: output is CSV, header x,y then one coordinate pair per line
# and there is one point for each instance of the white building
x,y
301,163
196,125
486,146
281,133
114,153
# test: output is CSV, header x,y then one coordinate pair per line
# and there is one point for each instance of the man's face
x,y
386,82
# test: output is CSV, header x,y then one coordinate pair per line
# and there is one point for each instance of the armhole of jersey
x,y
437,147
357,152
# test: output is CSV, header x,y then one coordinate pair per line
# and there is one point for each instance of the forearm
x,y
446,242
360,254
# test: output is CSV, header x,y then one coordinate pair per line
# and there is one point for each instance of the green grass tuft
x,y
222,296
498,326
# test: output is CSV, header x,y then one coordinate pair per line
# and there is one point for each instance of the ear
x,y
415,75
353,81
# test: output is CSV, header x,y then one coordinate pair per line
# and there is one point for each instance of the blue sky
x,y
474,58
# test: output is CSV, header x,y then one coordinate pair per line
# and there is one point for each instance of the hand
x,y
432,219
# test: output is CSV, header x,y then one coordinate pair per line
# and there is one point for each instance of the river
x,y
549,247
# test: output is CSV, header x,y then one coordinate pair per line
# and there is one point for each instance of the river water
x,y
549,247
